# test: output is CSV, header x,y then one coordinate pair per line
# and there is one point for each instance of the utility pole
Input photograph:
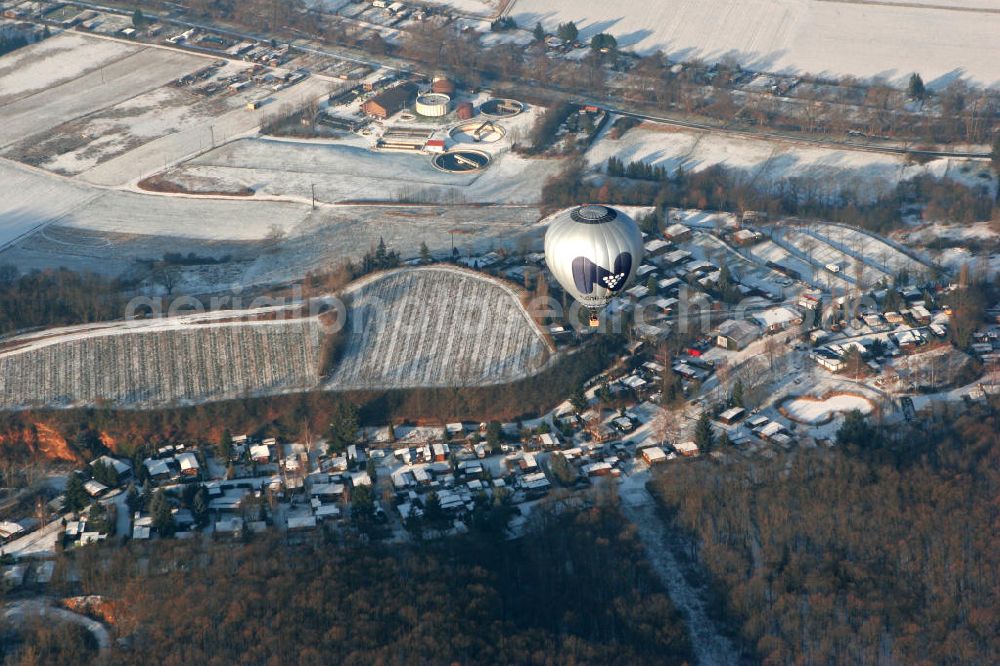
x,y
211,129
313,186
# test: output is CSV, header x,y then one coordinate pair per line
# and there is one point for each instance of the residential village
x,y
771,358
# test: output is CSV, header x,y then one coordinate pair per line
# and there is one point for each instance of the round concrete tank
x,y
433,105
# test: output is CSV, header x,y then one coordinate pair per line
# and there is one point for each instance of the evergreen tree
x,y
736,399
425,254
539,32
493,433
138,19
163,518
579,399
916,88
343,430
434,515
105,474
602,41
76,497
199,507
224,449
97,519
704,435
362,507
567,32
132,499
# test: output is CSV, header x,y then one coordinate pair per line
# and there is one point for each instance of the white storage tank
x,y
433,105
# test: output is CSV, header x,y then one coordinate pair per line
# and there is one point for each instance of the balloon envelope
x,y
594,252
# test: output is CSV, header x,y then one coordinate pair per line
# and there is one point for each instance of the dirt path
x,y
18,612
710,646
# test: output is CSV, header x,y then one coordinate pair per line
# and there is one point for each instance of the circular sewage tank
x,y
433,105
462,161
501,108
480,131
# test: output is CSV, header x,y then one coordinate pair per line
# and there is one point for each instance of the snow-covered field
x,y
477,7
411,327
823,171
54,61
97,89
29,200
32,198
437,327
195,135
877,252
815,410
346,171
822,253
132,122
157,365
831,37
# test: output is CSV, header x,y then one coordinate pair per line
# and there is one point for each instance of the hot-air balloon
x,y
593,251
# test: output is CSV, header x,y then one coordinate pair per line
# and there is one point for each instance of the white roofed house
x,y
121,467
260,453
95,488
778,319
188,463
159,469
677,233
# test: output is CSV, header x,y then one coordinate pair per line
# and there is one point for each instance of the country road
x,y
711,647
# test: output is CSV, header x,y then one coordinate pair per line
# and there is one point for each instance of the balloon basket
x,y
594,320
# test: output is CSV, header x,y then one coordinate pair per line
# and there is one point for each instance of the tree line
x,y
56,297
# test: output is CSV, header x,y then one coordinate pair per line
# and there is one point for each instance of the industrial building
x,y
391,101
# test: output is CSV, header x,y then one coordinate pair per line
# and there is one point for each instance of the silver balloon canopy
x,y
594,252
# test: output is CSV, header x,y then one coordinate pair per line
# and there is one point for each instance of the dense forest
x,y
884,549
42,642
56,298
575,590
